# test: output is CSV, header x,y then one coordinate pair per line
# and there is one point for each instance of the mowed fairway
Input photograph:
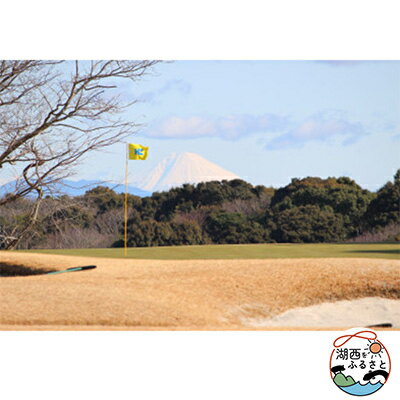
x,y
191,293
242,251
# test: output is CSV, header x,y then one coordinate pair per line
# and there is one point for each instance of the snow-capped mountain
x,y
180,168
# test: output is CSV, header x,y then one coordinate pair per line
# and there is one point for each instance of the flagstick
x,y
126,202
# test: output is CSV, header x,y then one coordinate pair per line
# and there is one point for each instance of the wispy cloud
x,y
322,127
279,131
176,85
230,127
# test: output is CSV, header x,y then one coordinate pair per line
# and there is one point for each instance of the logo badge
x,y
359,363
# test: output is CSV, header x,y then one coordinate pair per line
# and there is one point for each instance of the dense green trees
x,y
153,233
307,210
342,195
384,209
103,199
308,224
190,197
223,227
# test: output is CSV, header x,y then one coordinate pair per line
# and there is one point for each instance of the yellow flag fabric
x,y
137,152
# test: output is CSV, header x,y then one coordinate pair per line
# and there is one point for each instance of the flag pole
x,y
126,202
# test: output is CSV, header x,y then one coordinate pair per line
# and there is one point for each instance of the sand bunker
x,y
346,313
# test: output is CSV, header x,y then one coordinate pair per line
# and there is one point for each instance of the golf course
x,y
197,287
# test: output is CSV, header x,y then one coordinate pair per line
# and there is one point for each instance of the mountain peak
x,y
180,168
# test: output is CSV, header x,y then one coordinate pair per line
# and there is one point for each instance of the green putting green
x,y
242,251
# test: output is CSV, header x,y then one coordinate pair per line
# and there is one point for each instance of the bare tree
x,y
52,113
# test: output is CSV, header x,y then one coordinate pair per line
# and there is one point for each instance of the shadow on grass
x,y
10,270
390,251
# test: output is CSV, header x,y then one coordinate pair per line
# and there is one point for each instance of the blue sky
x,y
266,121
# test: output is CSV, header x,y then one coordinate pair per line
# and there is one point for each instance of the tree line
x,y
309,210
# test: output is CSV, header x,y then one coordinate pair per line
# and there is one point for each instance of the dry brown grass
x,y
168,294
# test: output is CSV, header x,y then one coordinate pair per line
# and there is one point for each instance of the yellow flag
x,y
137,152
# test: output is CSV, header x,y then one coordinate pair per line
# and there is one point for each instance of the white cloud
x,y
229,127
321,127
